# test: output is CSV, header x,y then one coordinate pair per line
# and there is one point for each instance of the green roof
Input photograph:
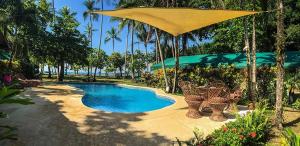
x,y
292,60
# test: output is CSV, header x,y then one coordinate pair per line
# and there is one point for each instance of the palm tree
x,y
162,61
90,6
145,36
280,43
112,35
53,7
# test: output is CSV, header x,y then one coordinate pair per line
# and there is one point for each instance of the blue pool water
x,y
114,98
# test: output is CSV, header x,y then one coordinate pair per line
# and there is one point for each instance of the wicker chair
x,y
194,101
234,97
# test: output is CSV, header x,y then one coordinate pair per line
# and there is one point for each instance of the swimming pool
x,y
121,99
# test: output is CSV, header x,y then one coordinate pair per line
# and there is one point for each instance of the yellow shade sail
x,y
176,21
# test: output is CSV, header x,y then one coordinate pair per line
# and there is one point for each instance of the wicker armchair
x,y
194,101
234,97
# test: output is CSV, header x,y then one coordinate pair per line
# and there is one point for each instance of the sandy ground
x,y
58,118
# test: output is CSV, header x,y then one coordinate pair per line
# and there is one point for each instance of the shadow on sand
x,y
43,124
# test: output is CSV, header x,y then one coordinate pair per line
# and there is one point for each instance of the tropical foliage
x,y
250,129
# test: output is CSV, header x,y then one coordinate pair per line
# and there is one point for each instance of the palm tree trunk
x,y
91,33
126,49
113,43
101,27
176,51
222,4
146,49
253,74
132,53
280,43
248,55
173,48
184,43
156,52
100,39
53,7
162,62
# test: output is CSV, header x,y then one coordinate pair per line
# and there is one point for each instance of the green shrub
x,y
251,129
296,104
290,138
266,83
6,69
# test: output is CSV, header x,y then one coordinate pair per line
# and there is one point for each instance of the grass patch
x,y
81,78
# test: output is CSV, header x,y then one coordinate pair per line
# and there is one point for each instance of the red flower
x,y
241,137
252,134
225,129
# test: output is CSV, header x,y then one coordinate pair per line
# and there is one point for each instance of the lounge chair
x,y
26,82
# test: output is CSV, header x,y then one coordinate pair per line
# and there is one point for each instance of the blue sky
x,y
77,6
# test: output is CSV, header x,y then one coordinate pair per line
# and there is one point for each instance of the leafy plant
x,y
6,97
196,141
290,138
252,129
296,104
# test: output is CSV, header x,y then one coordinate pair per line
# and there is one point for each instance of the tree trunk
x,y
120,68
95,72
42,69
49,71
61,72
113,43
91,33
126,50
253,74
88,73
173,48
57,72
101,27
162,62
147,64
184,43
66,69
280,43
53,7
132,45
156,52
222,4
248,55
176,51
